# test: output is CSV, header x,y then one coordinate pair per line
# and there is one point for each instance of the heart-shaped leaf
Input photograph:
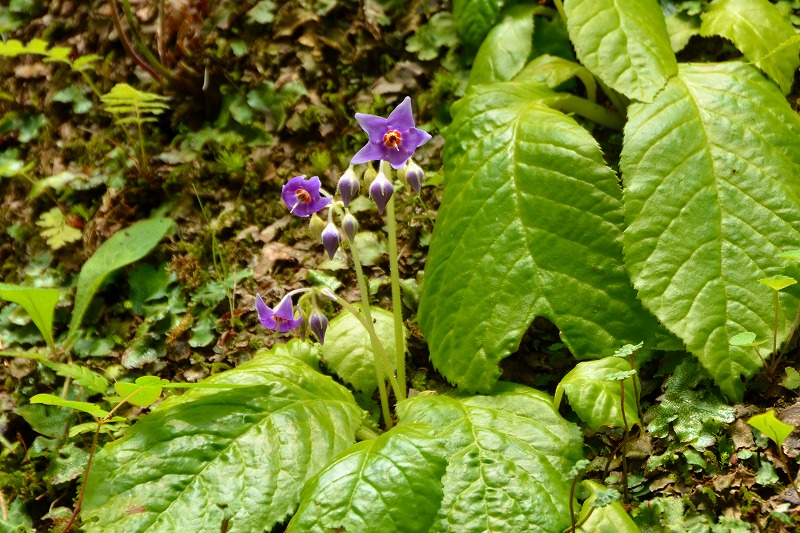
x,y
530,225
711,198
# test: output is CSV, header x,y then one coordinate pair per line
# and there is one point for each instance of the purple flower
x,y
318,324
302,196
381,190
330,239
281,318
393,139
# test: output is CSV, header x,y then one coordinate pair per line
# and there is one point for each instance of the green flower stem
x,y
397,304
366,434
625,496
594,112
378,351
560,8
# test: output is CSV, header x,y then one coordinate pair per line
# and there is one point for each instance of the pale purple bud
x,y
348,185
330,239
349,226
414,176
318,324
380,191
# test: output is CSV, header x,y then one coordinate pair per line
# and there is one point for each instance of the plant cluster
x,y
679,251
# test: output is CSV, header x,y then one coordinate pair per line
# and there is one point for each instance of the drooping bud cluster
x,y
392,140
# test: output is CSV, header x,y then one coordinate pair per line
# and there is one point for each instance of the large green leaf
x,y
761,32
348,349
372,486
624,42
121,249
530,225
597,399
711,198
38,302
508,459
506,49
211,455
474,18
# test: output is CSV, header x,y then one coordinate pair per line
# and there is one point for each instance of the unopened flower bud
x,y
349,226
330,239
380,191
369,176
348,185
414,176
318,324
327,294
315,226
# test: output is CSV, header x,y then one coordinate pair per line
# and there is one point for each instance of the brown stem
x,y
127,44
85,478
624,443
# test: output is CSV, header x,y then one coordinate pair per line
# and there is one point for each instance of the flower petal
x,y
285,310
374,126
370,152
401,118
265,314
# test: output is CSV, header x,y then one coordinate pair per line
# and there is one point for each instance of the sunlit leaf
x,y
768,424
86,407
40,304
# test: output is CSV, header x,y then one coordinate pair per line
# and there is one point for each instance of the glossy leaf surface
x,y
474,18
761,32
624,42
530,225
711,199
391,483
595,398
209,455
509,454
506,49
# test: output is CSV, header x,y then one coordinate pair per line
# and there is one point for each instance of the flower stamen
x,y
392,139
303,196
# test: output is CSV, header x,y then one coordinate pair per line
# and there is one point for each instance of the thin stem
x,y
85,478
571,103
397,304
561,12
366,434
624,442
380,373
792,331
636,390
613,96
774,364
139,42
571,504
143,155
126,44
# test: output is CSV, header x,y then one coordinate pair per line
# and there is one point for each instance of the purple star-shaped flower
x,y
279,319
302,196
393,139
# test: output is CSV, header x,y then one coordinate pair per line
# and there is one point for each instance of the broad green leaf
x,y
710,200
38,302
348,349
791,255
86,407
681,27
610,518
144,392
554,70
506,48
624,42
759,30
530,225
474,18
792,379
210,455
374,485
768,424
121,249
778,283
595,398
508,455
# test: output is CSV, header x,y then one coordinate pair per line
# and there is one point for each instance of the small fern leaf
x,y
56,229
